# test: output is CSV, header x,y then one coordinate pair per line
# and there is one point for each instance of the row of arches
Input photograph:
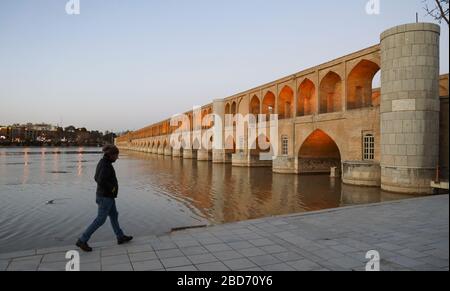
x,y
165,127
359,95
148,144
318,152
195,145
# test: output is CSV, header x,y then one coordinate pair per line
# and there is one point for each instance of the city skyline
x,y
119,66
44,134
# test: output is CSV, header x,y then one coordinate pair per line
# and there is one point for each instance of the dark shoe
x,y
124,239
84,246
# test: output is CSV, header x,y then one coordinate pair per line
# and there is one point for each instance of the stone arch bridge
x,y
334,117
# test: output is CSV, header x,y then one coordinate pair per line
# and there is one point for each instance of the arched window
x,y
368,147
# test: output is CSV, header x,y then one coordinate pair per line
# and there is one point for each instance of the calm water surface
x,y
47,196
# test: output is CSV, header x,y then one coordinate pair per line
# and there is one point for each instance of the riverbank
x,y
409,235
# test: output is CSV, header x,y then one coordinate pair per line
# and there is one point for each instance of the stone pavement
x,y
408,234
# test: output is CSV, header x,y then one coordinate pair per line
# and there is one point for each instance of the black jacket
x,y
105,176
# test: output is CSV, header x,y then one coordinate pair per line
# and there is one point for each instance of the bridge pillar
x,y
409,107
285,165
177,153
240,159
245,159
160,151
168,151
190,154
361,173
204,155
221,157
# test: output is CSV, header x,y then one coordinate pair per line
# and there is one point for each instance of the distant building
x,y
47,134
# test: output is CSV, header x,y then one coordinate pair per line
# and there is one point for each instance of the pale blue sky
x,y
126,64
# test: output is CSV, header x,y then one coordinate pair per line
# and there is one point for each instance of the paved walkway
x,y
409,235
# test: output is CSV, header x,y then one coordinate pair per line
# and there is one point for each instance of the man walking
x,y
107,189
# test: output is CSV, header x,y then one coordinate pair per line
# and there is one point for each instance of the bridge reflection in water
x,y
222,193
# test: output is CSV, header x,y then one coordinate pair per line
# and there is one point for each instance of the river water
x,y
47,196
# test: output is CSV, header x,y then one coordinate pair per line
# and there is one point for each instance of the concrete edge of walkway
x,y
329,210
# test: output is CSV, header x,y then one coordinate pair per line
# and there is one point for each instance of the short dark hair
x,y
110,150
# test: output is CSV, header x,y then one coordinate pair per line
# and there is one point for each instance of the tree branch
x,y
443,13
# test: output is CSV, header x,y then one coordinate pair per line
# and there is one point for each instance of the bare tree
x,y
438,10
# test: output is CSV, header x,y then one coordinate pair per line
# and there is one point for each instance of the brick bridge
x,y
330,117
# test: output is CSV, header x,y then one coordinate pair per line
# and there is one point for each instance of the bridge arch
x,y
359,84
330,95
318,153
228,108
234,108
255,106
306,98
202,119
286,103
268,104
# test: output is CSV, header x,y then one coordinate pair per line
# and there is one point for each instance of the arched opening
x,y
255,107
234,112
191,122
268,105
158,148
359,85
211,118
318,154
331,93
203,115
306,98
233,108
227,109
286,103
376,89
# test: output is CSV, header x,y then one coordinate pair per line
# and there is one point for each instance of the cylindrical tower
x,y
409,107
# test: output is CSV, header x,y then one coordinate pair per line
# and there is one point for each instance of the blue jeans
x,y
106,207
